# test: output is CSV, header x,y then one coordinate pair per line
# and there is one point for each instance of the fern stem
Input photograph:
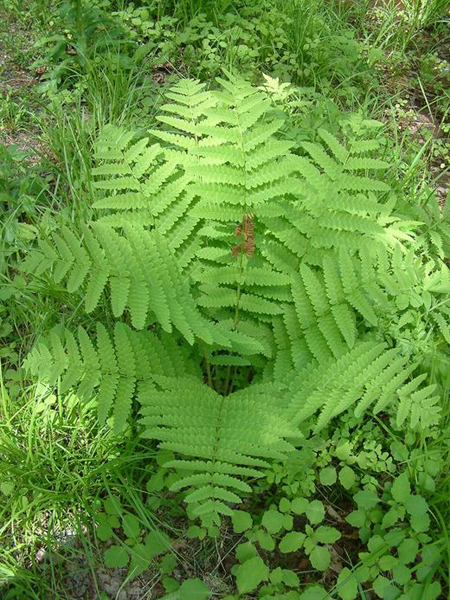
x,y
238,289
208,371
227,387
236,312
227,381
232,380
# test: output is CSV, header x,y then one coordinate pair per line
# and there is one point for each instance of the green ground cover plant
x,y
225,302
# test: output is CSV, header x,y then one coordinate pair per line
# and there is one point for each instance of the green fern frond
x,y
358,164
111,367
418,405
363,146
443,326
325,301
298,346
352,182
218,437
334,385
388,393
283,363
328,164
280,257
143,276
337,149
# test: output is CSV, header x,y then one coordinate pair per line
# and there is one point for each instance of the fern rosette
x,y
253,286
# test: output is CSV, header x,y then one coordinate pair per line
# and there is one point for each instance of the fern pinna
x,y
252,287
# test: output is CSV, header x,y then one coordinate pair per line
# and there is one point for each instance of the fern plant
x,y
251,289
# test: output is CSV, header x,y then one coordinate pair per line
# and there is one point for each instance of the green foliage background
x,y
225,292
